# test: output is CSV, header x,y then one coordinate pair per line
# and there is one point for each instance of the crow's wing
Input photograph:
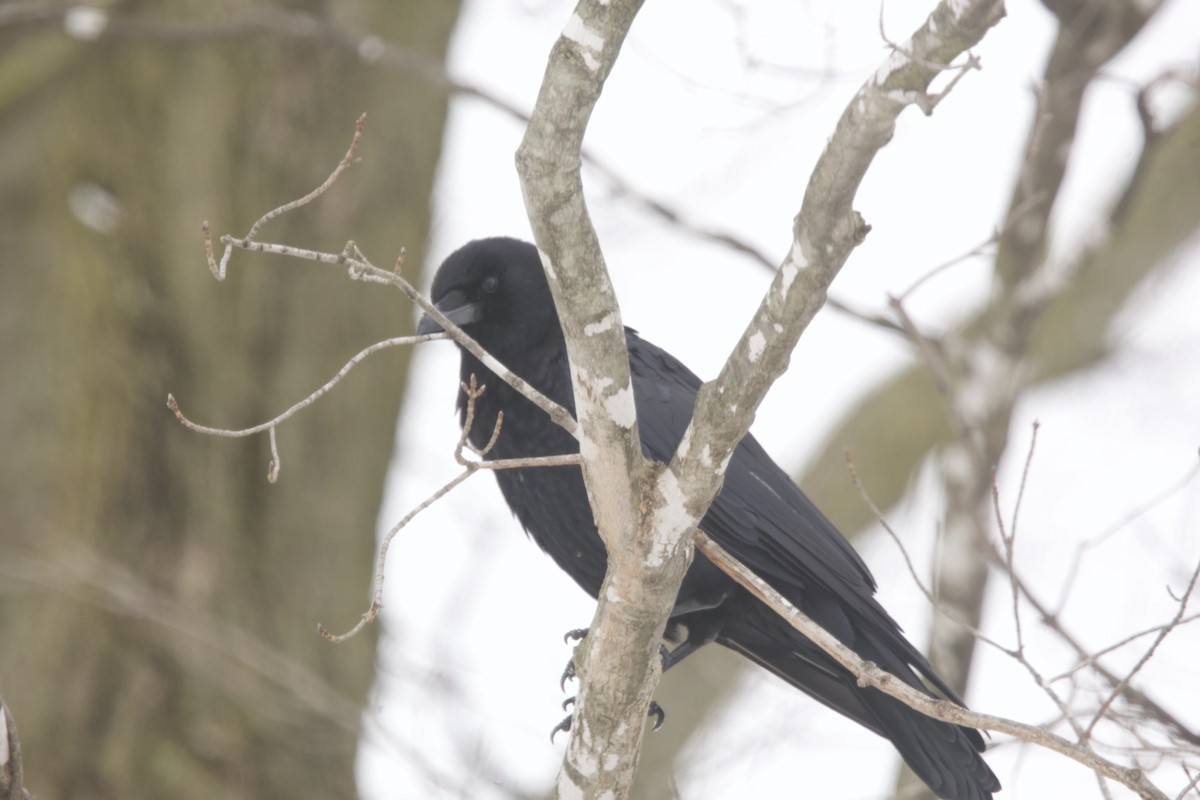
x,y
764,519
760,515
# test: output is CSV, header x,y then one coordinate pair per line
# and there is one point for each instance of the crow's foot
x,y
655,711
573,635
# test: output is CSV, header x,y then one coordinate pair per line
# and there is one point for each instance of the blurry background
x,y
160,597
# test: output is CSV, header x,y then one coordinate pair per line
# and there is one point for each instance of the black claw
x,y
659,715
564,727
574,635
568,674
655,711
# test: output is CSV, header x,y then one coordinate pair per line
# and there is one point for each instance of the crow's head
x,y
496,291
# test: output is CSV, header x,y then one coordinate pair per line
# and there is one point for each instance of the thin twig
x,y
1162,634
359,268
275,465
1092,658
271,424
1008,537
219,269
1116,527
912,570
942,378
868,674
1131,694
473,392
980,249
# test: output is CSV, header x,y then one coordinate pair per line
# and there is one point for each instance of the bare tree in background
x,y
990,363
1014,332
155,641
636,514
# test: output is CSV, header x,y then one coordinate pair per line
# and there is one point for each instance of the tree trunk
x,y
161,597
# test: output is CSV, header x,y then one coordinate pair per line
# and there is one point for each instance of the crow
x,y
496,291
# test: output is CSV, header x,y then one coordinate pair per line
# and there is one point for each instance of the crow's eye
x,y
490,284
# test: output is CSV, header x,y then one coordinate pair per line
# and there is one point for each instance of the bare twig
x,y
1128,517
981,249
218,268
943,378
912,570
1162,634
925,100
473,391
1093,657
359,268
1129,693
271,425
1008,536
274,422
869,674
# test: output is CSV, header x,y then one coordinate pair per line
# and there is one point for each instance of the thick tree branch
x,y
825,232
618,658
647,569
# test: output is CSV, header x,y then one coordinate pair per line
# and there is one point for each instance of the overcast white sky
x,y
475,612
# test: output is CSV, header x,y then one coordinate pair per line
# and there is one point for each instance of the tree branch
x,y
869,674
827,229
618,659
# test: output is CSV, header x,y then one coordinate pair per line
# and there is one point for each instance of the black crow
x,y
496,291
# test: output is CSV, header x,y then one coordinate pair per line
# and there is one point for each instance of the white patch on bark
x,y
587,448
903,97
671,520
791,268
959,7
621,408
612,595
896,60
757,343
567,788
592,387
686,443
586,765
706,456
593,328
590,43
547,265
611,760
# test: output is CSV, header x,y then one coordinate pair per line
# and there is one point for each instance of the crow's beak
x,y
457,308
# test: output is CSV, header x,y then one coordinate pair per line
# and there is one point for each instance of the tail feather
x,y
945,756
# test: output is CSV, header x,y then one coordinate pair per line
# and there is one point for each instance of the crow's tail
x,y
945,756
